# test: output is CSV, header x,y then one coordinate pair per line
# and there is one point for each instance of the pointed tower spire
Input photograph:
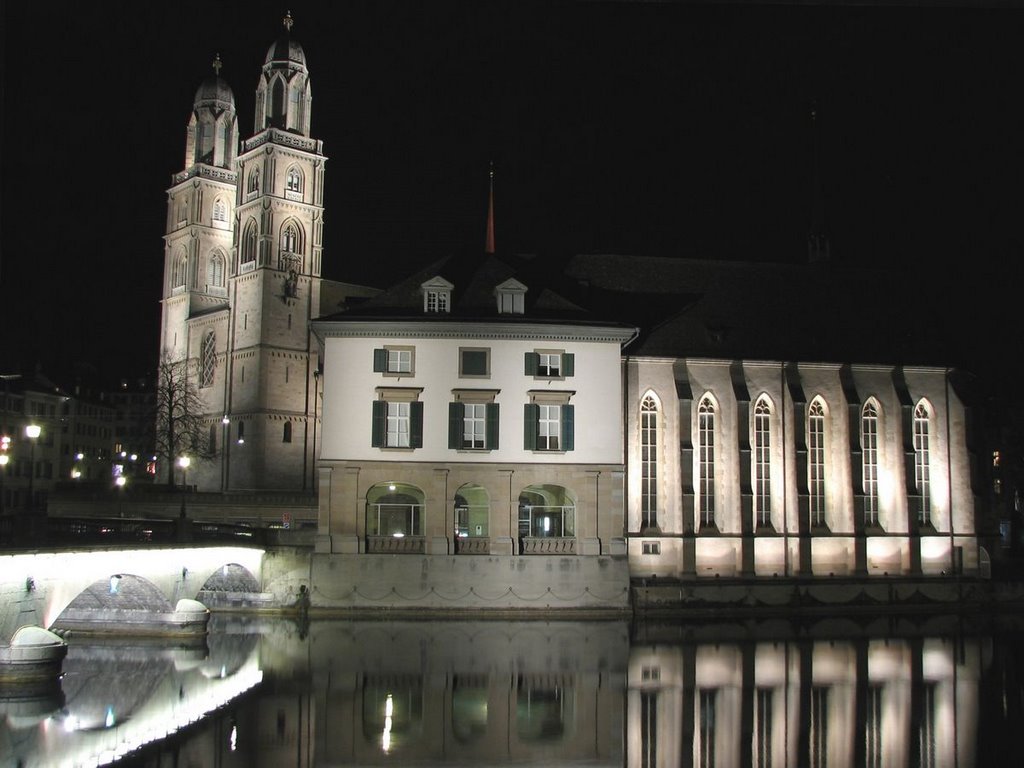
x,y
489,246
217,64
817,239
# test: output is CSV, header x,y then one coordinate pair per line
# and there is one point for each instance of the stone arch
x,y
117,592
547,511
230,577
472,511
394,517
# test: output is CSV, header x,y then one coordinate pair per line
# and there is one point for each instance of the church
x,y
588,420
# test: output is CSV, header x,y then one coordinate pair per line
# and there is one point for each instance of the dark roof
x,y
550,297
285,49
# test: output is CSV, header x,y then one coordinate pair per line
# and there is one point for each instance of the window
x,y
474,362
436,301
548,422
254,181
220,210
249,243
241,432
648,463
208,360
215,271
294,180
762,464
816,462
290,239
549,364
922,472
472,423
648,729
869,462
180,271
546,511
395,361
706,462
511,297
397,419
706,739
286,437
651,547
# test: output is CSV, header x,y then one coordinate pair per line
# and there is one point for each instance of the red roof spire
x,y
489,246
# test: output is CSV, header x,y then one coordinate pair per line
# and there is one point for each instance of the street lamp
x,y
183,462
32,432
4,458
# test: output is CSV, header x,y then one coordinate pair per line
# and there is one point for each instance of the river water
x,y
887,691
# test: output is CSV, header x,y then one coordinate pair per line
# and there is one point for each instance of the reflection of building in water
x,y
841,704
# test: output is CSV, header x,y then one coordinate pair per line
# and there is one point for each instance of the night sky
x,y
653,128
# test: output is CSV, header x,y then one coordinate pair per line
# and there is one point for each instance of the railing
x,y
473,545
395,545
554,545
91,531
391,519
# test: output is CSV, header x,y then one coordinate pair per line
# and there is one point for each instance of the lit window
x,y
762,464
397,420
550,364
436,301
869,462
548,422
473,420
651,547
922,470
648,463
816,462
995,458
706,461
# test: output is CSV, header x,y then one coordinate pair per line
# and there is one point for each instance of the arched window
x,y
254,180
869,461
180,271
286,437
249,243
208,360
215,271
762,461
545,512
293,182
277,103
706,462
922,455
472,511
816,462
649,462
290,239
220,210
393,510
211,444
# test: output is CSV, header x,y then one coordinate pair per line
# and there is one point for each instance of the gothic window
x,y
289,239
215,271
816,462
220,210
180,271
869,461
649,462
277,103
922,455
208,360
254,180
286,437
294,180
762,460
706,461
249,243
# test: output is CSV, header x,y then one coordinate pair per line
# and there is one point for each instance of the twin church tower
x,y
242,260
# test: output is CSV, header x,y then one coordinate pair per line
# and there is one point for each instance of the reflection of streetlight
x,y
32,432
4,458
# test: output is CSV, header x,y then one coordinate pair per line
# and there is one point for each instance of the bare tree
x,y
179,423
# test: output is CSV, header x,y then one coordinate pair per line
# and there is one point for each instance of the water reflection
x,y
535,693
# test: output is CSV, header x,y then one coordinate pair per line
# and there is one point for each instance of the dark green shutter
x,y
531,415
456,416
380,361
568,364
567,427
416,424
532,362
491,438
380,410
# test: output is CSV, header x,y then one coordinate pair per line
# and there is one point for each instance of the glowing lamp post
x,y
183,462
32,432
4,458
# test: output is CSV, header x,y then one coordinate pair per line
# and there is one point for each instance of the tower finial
x,y
489,245
217,65
817,238
288,21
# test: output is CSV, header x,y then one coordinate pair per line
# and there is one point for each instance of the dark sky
x,y
655,128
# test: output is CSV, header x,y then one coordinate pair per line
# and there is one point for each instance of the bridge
x,y
37,587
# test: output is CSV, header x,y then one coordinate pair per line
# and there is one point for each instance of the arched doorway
x,y
547,520
394,518
472,515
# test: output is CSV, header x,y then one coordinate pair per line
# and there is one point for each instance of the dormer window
x,y
511,296
437,295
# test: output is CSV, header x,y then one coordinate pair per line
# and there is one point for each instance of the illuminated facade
x,y
242,255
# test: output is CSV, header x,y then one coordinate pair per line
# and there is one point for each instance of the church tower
x,y
274,283
242,253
